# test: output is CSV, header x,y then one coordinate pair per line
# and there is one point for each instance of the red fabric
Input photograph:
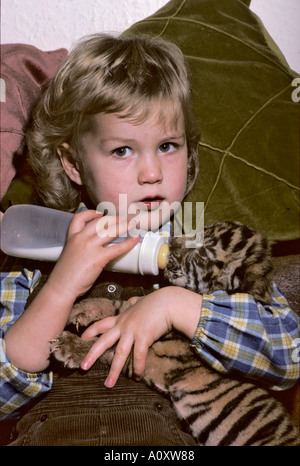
x,y
26,71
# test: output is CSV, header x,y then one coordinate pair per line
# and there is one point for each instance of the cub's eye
x,y
168,147
173,266
122,151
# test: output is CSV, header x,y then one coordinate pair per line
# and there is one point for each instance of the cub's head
x,y
175,270
182,262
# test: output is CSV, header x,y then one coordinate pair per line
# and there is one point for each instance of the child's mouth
x,y
149,203
150,212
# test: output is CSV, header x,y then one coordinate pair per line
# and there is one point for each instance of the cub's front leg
x,y
93,309
70,349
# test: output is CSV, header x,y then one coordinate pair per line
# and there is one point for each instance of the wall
x,y
50,24
281,19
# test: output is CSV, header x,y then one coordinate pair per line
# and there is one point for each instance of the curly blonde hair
x,y
105,74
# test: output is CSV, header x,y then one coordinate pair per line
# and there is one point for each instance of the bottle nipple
x,y
162,257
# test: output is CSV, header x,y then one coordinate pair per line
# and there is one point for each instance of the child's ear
x,y
69,163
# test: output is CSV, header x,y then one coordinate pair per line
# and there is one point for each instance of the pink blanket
x,y
25,73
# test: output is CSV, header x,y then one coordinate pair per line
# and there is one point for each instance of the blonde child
x,y
117,119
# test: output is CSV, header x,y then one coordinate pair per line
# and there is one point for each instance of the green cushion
x,y
249,124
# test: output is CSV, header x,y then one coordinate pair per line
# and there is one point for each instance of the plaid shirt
x,y
237,334
234,334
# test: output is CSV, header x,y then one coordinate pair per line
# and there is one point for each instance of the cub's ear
x,y
69,163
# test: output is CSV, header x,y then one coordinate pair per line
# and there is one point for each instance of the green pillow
x,y
249,123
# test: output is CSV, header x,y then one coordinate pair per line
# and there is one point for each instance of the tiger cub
x,y
218,410
232,257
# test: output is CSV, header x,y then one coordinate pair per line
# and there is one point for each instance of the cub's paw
x,y
70,349
92,310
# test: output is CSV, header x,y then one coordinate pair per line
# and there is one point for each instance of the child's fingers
x,y
99,327
112,252
109,227
139,358
104,225
107,340
122,352
102,229
80,219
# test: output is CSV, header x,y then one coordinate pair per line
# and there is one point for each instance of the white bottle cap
x,y
149,252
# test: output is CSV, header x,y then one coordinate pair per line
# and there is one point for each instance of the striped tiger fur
x,y
231,257
218,410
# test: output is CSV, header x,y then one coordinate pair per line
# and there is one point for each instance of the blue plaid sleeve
x,y
16,387
237,334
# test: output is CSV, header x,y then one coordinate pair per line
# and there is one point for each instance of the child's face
x,y
146,161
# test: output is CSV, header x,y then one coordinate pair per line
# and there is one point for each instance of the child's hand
x,y
84,255
140,326
82,260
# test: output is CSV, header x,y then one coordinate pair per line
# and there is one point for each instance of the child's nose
x,y
149,169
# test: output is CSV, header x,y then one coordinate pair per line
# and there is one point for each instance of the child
x,y
115,120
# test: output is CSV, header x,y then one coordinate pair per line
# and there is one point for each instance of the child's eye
x,y
122,151
168,147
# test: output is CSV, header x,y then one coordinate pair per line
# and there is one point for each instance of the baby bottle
x,y
39,233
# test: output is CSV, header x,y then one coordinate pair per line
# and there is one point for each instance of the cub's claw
x,y
70,349
91,310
